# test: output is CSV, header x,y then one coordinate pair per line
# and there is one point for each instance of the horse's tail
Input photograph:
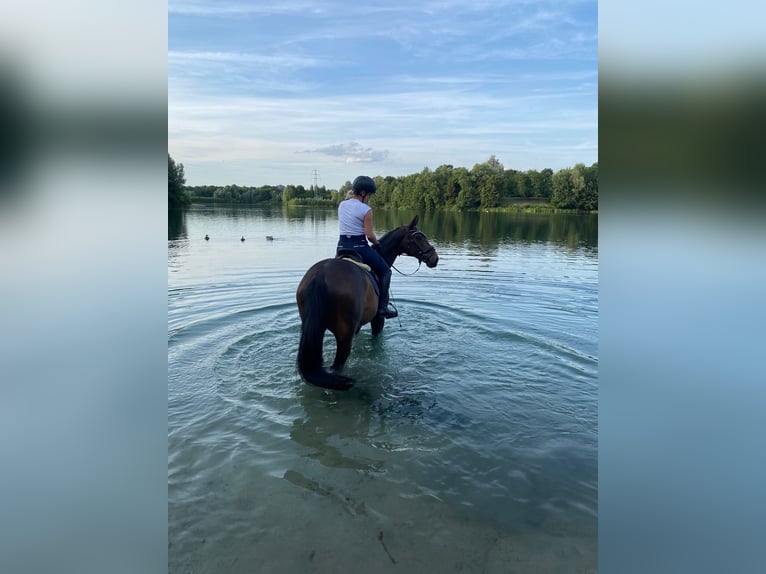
x,y
313,327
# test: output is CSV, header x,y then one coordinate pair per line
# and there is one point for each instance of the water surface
x,y
469,442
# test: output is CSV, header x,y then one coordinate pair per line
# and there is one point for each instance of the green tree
x,y
494,165
410,198
489,192
426,190
535,182
468,196
177,197
509,187
577,180
288,194
385,189
488,182
523,184
223,194
545,183
397,194
446,186
590,194
562,194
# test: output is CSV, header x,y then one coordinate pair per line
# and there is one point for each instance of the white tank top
x,y
351,214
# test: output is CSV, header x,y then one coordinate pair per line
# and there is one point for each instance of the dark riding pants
x,y
372,258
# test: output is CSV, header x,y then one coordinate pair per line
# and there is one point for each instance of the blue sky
x,y
266,93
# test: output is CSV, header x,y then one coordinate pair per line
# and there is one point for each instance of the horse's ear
x,y
414,222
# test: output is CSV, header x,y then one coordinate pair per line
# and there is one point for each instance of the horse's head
x,y
415,244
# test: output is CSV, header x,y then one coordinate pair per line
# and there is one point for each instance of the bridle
x,y
411,239
412,236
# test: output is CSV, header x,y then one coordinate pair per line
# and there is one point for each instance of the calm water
x,y
469,443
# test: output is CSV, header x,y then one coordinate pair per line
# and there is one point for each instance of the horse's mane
x,y
391,238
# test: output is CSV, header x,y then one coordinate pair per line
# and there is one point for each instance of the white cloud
x,y
352,152
285,82
282,60
224,8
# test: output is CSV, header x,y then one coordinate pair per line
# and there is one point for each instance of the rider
x,y
355,219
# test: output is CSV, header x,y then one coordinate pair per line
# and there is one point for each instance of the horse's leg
x,y
343,340
377,324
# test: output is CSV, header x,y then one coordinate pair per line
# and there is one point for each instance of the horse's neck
x,y
390,247
390,258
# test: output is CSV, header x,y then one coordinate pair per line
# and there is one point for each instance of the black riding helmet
x,y
363,185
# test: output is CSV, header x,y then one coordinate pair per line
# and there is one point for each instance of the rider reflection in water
x,y
355,222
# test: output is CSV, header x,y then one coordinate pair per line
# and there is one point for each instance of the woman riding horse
x,y
355,223
338,295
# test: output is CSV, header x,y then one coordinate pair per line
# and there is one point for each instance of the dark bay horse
x,y
338,295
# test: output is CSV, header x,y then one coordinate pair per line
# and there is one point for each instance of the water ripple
x,y
476,407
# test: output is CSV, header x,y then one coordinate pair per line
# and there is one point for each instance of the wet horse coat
x,y
340,296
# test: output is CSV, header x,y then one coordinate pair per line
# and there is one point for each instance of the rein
x,y
408,274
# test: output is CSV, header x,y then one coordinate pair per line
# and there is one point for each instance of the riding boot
x,y
383,308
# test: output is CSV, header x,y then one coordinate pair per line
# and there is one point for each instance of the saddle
x,y
353,257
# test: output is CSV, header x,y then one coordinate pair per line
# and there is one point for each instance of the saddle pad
x,y
362,265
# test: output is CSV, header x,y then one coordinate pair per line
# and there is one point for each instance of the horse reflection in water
x,y
340,296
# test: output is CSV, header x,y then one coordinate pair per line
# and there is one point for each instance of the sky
x,y
298,91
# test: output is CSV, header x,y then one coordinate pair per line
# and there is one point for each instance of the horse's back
x,y
335,272
326,271
347,290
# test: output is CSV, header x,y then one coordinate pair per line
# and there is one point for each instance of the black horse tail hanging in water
x,y
313,299
339,296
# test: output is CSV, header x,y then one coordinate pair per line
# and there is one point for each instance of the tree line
x,y
178,196
280,194
487,185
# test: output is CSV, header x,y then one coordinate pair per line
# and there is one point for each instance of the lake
x,y
468,443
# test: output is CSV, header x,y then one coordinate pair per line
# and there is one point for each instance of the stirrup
x,y
387,312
